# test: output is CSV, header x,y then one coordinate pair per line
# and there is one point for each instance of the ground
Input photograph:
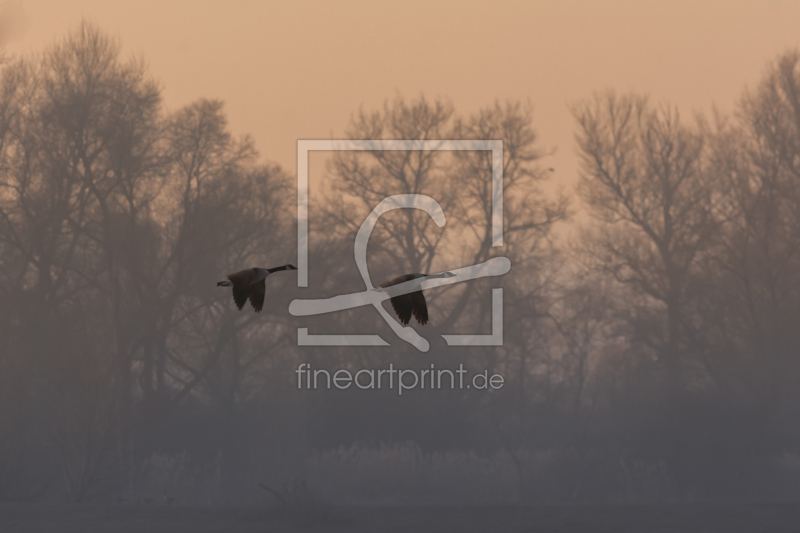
x,y
686,518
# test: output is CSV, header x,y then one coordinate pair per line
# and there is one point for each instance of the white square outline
x,y
304,146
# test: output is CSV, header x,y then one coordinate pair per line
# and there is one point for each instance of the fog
x,y
648,361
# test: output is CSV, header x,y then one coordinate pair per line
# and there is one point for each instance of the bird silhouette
x,y
250,285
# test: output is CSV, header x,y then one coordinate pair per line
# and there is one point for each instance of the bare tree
x,y
362,180
753,270
644,180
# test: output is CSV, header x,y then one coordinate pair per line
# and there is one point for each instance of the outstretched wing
x,y
420,307
257,291
241,286
403,306
409,304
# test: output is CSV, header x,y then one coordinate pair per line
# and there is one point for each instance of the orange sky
x,y
290,70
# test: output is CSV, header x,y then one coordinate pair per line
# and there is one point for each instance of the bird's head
x,y
291,267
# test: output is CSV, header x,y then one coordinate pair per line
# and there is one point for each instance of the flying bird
x,y
250,284
412,303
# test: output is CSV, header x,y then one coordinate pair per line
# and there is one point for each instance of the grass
x,y
661,518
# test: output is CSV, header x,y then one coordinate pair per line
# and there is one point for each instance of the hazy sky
x,y
291,70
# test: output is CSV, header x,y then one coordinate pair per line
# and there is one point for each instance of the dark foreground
x,y
723,518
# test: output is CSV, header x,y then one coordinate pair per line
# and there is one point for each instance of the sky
x,y
298,70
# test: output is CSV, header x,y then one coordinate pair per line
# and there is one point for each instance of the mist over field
x,y
649,372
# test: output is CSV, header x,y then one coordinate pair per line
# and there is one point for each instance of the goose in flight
x,y
412,303
250,284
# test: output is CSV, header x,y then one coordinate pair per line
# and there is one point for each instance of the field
x,y
684,518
